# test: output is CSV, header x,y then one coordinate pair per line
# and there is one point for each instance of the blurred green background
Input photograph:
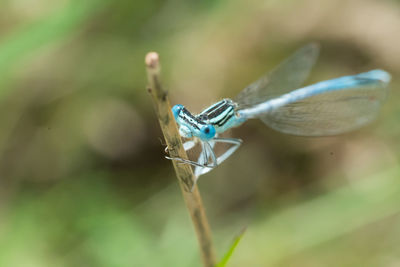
x,y
83,177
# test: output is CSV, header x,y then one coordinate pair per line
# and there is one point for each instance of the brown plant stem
x,y
184,172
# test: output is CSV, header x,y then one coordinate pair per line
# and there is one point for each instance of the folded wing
x,y
330,107
289,75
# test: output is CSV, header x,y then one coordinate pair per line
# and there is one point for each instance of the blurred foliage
x,y
83,179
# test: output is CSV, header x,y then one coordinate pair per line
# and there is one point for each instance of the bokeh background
x,y
83,179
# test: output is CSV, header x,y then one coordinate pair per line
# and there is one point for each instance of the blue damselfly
x,y
325,108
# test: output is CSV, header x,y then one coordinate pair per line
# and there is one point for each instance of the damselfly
x,y
325,108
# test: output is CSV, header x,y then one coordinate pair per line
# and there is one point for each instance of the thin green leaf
x,y
232,248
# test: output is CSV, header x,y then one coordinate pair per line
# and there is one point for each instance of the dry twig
x,y
184,172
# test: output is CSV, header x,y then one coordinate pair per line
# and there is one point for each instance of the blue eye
x,y
176,110
207,132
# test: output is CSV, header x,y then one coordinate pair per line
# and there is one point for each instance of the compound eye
x,y
208,131
176,110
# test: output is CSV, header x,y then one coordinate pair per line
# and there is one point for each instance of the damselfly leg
x,y
207,159
200,170
205,154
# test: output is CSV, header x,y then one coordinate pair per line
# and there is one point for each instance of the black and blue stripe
x,y
219,113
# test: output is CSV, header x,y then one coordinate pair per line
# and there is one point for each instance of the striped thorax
x,y
222,115
215,119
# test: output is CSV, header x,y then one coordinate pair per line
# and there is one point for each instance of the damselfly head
x,y
192,126
205,132
176,110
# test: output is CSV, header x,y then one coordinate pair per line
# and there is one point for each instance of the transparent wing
x,y
333,110
289,75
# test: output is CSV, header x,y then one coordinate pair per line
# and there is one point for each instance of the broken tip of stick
x,y
152,60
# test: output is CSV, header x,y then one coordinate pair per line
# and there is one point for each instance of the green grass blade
x,y
232,248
